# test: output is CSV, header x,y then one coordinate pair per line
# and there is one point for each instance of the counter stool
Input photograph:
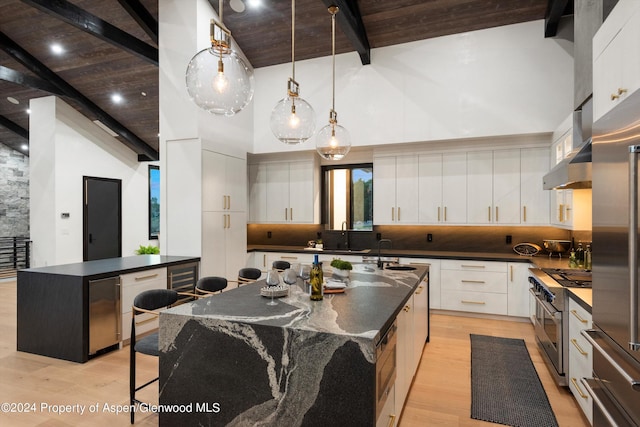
x,y
248,275
147,302
209,285
281,265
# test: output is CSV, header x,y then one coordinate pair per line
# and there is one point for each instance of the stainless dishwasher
x,y
105,314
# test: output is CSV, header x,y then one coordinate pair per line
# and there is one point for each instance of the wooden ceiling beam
x,y
14,127
142,16
42,71
13,76
350,21
555,10
85,21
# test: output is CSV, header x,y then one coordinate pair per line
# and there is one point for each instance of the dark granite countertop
x,y
112,265
368,306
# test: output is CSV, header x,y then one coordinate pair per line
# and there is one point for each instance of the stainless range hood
x,y
572,172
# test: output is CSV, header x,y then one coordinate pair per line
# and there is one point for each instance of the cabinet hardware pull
x,y
575,384
228,221
524,214
406,308
614,96
398,213
576,345
288,257
229,202
392,421
438,213
224,202
291,214
472,302
497,214
419,290
489,213
150,276
445,214
264,260
286,214
621,91
560,212
393,217
472,281
511,272
575,313
471,266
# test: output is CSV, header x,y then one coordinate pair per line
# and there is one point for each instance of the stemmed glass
x,y
273,279
290,276
304,273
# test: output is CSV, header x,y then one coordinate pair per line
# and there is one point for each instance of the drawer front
x,y
135,283
140,328
144,276
477,302
471,265
579,318
580,366
485,281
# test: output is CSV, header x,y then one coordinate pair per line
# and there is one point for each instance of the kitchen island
x,y
231,359
55,303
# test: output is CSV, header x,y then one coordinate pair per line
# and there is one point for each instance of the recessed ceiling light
x,y
57,48
116,98
254,3
143,93
237,5
12,100
25,147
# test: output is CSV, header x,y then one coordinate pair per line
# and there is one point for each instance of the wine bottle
x,y
315,278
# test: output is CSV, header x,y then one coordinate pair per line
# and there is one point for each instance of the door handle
x,y
634,340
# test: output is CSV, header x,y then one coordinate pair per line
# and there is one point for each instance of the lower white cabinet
x,y
518,289
434,278
223,243
580,357
474,286
404,355
132,284
388,416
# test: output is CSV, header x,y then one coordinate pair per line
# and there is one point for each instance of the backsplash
x,y
444,238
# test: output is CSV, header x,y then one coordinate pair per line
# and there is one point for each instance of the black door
x,y
102,218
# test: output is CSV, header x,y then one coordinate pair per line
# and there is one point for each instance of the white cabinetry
x,y
396,190
388,417
534,164
518,289
404,355
493,187
281,192
474,286
616,66
580,356
443,188
133,284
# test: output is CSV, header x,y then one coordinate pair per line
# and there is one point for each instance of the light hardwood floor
x,y
440,394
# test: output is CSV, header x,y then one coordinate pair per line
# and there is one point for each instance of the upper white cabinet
x,y
493,187
221,188
396,190
534,164
281,192
616,66
443,188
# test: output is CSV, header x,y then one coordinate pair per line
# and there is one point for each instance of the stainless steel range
x,y
551,309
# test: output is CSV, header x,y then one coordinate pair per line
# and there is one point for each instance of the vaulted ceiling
x,y
110,47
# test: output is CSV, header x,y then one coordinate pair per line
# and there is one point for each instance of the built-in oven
x,y
385,366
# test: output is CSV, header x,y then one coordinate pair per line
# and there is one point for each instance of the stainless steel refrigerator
x,y
615,387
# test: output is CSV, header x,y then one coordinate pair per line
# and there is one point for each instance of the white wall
x,y
64,146
507,80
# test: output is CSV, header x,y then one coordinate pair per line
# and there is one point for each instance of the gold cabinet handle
x,y
288,257
224,202
472,281
228,221
511,273
614,96
471,266
575,384
575,313
621,91
576,345
438,213
561,212
393,216
524,214
473,302
406,308
445,214
419,290
150,276
229,202
497,214
291,214
398,213
489,213
264,260
392,421
286,214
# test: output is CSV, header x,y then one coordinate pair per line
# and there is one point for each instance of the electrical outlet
x,y
268,234
429,237
508,238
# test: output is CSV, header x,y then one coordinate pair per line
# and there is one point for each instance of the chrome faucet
x,y
380,263
345,234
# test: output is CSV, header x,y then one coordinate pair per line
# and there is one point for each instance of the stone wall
x,y
14,193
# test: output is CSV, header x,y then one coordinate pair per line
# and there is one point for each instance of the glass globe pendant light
x,y
292,119
218,80
333,141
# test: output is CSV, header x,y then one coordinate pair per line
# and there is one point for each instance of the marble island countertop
x,y
300,362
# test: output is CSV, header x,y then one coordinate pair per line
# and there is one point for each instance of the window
x,y
347,193
154,201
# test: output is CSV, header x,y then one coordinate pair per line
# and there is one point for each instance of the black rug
x,y
505,387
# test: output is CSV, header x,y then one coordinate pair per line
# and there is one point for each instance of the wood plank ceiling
x,y
111,47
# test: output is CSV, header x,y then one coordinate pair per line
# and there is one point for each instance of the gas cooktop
x,y
570,278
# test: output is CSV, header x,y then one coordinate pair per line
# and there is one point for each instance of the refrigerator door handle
x,y
634,340
598,402
590,335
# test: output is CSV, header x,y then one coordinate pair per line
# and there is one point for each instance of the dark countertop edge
x,y
405,253
582,303
78,269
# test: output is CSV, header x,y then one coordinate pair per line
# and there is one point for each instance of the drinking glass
x,y
304,273
290,276
273,279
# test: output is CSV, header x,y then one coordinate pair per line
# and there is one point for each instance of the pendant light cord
x,y
333,54
293,39
220,11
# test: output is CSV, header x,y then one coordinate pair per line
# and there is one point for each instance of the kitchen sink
x,y
399,267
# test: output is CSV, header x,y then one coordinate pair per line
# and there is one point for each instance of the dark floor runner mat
x,y
505,387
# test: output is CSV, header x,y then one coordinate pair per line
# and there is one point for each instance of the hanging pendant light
x,y
333,141
218,80
293,120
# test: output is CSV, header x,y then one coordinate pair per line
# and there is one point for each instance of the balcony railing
x,y
15,253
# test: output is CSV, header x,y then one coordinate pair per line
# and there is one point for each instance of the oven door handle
x,y
550,310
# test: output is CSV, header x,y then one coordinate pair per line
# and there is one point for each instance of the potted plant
x,y
148,250
340,267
